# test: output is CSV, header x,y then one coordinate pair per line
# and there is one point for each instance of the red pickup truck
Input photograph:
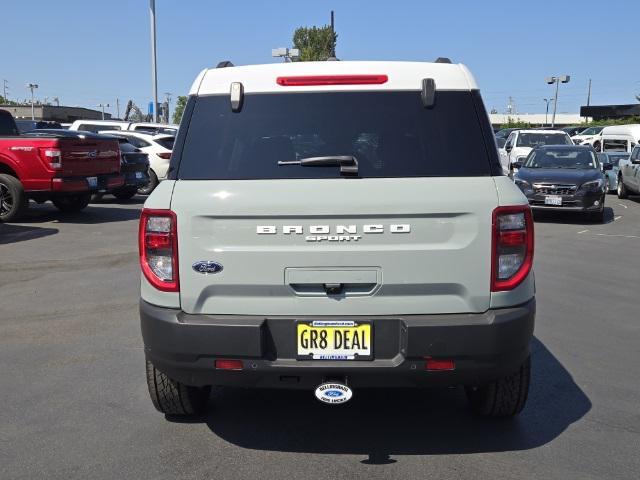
x,y
63,169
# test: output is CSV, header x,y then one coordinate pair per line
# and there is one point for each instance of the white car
x,y
521,142
589,136
141,127
157,128
158,147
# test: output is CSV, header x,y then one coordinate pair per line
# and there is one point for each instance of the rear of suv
x,y
337,226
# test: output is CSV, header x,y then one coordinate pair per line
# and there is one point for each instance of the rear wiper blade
x,y
348,163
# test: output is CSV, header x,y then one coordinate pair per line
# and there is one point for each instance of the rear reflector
x,y
433,364
332,80
226,364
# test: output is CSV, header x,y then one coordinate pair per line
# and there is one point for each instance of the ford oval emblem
x,y
333,393
206,267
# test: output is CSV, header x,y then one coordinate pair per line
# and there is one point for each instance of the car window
x,y
91,127
390,133
582,159
138,142
537,139
166,142
510,140
611,145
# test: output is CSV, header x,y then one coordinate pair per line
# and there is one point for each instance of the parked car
x,y
96,126
135,169
629,174
154,128
588,136
612,158
332,256
53,166
564,178
521,142
618,138
28,125
575,130
158,147
504,132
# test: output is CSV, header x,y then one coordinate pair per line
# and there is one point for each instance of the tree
x,y
315,43
181,102
4,101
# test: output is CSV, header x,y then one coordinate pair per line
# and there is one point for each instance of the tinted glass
x,y
390,133
166,142
610,145
7,125
582,159
613,158
537,139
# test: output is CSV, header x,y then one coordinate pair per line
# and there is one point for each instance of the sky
x,y
90,52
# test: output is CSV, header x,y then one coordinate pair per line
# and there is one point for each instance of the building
x,y
604,112
538,119
55,113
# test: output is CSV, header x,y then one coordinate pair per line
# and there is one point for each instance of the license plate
x,y
334,340
553,200
93,181
139,175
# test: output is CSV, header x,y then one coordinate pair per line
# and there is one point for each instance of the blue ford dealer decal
x,y
206,267
333,393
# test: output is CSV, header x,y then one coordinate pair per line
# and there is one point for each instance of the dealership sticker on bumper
x,y
553,200
334,340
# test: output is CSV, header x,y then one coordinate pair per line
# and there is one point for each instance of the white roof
x,y
401,76
632,129
135,133
541,131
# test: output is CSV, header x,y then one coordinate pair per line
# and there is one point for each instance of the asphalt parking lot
x,y
75,403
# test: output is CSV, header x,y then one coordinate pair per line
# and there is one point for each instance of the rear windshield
x,y
390,133
7,125
166,142
537,139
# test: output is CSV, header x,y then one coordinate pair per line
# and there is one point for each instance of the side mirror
x,y
508,148
517,165
607,166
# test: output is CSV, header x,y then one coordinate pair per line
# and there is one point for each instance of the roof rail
x,y
224,64
443,60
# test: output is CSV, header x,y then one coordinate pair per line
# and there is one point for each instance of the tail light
x,y
312,80
158,242
512,247
165,155
52,157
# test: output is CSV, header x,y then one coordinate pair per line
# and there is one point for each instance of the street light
x,y
289,54
546,113
556,80
32,86
102,105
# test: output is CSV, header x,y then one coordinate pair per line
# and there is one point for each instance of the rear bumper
x,y
81,184
484,347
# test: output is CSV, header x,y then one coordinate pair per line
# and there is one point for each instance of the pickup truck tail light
x,y
512,247
52,157
158,243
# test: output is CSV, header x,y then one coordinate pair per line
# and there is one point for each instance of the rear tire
x,y
13,201
174,398
504,397
125,194
149,187
622,190
72,203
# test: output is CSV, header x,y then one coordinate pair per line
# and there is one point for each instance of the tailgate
x,y
89,156
390,246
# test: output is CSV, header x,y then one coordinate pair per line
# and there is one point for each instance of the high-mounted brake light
x,y
52,157
311,80
512,247
158,243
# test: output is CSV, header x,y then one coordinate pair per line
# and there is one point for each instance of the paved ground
x,y
74,402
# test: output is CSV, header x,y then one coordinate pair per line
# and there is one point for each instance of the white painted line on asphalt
x,y
583,231
623,205
617,218
612,235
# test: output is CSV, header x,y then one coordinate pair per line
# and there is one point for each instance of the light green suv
x,y
334,226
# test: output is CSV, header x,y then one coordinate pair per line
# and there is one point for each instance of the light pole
x,y
32,87
546,113
154,70
102,105
167,96
556,80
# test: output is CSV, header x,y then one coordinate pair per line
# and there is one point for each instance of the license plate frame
x,y
93,182
332,326
555,200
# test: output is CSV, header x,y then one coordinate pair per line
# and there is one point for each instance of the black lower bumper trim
x,y
484,346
